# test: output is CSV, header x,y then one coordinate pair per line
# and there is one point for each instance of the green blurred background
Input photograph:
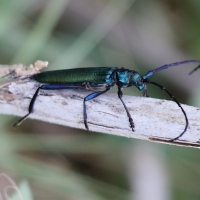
x,y
63,163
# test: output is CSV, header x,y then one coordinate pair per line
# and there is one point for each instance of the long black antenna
x,y
195,69
173,98
150,73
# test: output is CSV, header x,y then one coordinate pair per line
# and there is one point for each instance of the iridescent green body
x,y
94,78
93,75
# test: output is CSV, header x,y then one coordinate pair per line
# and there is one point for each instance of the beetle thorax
x,y
127,78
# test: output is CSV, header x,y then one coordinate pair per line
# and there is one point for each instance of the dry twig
x,y
153,118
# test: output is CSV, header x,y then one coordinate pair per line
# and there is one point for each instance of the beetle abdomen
x,y
93,74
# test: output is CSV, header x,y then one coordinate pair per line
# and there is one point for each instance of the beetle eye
x,y
139,82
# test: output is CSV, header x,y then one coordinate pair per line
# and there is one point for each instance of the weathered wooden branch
x,y
155,119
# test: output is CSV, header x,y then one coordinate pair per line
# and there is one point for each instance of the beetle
x,y
100,80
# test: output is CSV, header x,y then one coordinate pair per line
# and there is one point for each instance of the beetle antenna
x,y
173,98
150,73
195,69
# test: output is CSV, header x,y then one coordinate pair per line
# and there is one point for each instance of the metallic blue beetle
x,y
100,80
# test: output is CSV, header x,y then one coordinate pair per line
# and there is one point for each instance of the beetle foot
x,y
132,124
86,124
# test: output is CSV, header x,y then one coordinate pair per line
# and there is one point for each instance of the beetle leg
x,y
47,87
120,94
88,98
30,109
